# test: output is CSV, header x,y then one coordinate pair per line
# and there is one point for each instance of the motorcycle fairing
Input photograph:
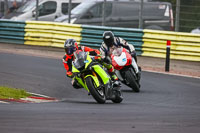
x,y
88,60
74,70
121,60
135,66
96,80
104,76
124,59
80,81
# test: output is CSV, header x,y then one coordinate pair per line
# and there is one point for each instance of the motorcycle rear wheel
x,y
131,79
98,94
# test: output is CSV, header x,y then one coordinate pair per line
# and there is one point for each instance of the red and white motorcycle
x,y
126,68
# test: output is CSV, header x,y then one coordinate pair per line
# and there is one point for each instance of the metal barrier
x,y
50,33
92,36
12,32
184,46
54,34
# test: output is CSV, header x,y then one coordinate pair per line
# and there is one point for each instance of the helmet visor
x,y
70,50
109,42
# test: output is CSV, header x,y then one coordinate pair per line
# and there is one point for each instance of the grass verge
x,y
7,92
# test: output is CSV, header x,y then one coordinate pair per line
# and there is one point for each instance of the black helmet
x,y
108,38
70,46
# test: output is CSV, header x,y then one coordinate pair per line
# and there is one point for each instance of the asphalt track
x,y
166,103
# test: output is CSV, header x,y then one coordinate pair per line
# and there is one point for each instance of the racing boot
x,y
115,80
113,76
75,84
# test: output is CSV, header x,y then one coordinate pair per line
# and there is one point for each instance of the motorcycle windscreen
x,y
80,58
117,51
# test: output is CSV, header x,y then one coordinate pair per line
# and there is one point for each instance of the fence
x,y
54,34
92,36
184,46
50,34
12,32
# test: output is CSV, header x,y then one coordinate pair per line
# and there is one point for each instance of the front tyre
x,y
97,93
131,81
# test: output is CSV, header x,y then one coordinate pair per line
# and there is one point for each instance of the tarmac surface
x,y
180,67
166,103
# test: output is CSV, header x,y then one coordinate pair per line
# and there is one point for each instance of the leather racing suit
x,y
107,51
67,59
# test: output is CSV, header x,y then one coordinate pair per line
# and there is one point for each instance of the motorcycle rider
x,y
110,42
70,47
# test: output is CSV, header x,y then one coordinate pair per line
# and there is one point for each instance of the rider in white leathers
x,y
110,43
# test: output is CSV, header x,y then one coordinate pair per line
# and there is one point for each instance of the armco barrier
x,y
12,32
54,34
184,46
92,36
50,34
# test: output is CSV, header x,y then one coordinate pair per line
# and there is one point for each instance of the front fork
x,y
80,82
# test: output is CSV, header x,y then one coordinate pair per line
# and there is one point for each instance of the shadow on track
x,y
80,101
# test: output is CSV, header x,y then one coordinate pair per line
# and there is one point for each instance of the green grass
x,y
7,92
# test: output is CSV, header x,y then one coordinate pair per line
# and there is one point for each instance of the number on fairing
x,y
86,61
123,60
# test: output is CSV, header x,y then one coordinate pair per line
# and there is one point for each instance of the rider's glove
x,y
97,57
69,74
134,55
107,60
93,53
97,51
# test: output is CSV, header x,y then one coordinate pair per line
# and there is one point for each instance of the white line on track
x,y
172,74
38,94
4,102
37,100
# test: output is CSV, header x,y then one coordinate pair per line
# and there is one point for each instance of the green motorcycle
x,y
92,76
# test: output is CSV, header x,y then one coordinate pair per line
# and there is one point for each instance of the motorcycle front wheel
x,y
131,80
97,93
